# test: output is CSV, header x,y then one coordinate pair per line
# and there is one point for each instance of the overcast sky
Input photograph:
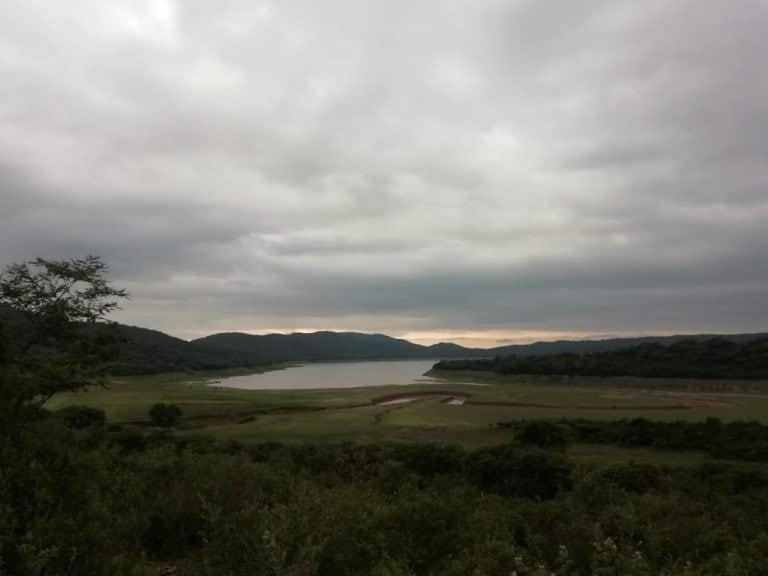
x,y
479,171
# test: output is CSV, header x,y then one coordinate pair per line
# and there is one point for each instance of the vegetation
x,y
707,359
357,414
80,417
324,346
164,415
113,501
44,344
321,346
81,494
738,440
150,352
53,314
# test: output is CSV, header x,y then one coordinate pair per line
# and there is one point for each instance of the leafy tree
x,y
53,326
80,417
542,433
164,415
511,471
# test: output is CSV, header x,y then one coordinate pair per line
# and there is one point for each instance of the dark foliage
x,y
716,358
80,417
47,309
75,502
150,352
541,433
738,440
511,471
164,415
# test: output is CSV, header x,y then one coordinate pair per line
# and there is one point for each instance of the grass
x,y
352,413
128,399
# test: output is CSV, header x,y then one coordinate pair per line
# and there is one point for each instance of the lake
x,y
335,375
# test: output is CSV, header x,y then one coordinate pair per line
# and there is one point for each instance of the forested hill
x,y
585,346
145,351
149,351
331,346
690,358
358,346
133,350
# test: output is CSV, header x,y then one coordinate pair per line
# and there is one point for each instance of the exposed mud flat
x,y
396,401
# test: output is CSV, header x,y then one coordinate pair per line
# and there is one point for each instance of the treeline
x,y
737,440
82,498
715,358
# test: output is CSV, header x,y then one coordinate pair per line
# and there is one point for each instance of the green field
x,y
357,415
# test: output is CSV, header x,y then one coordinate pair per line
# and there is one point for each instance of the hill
x,y
604,345
145,351
134,350
710,358
328,346
318,346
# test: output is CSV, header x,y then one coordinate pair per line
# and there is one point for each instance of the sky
x,y
483,172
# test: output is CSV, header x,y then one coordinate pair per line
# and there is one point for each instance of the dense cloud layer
x,y
430,168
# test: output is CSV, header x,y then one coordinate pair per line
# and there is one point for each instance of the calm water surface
x,y
335,375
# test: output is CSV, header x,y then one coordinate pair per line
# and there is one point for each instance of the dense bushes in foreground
x,y
93,500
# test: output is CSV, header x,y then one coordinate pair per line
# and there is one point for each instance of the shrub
x,y
164,415
80,417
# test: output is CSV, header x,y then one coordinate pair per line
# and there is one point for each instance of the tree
x,y
164,415
81,417
53,329
509,470
542,433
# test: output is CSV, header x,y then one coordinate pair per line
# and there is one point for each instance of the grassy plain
x,y
357,414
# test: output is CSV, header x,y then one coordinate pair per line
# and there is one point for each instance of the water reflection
x,y
336,375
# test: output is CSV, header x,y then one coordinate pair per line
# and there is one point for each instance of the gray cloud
x,y
589,167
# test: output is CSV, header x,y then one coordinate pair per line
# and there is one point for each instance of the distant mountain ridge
x,y
319,346
146,351
583,346
135,350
